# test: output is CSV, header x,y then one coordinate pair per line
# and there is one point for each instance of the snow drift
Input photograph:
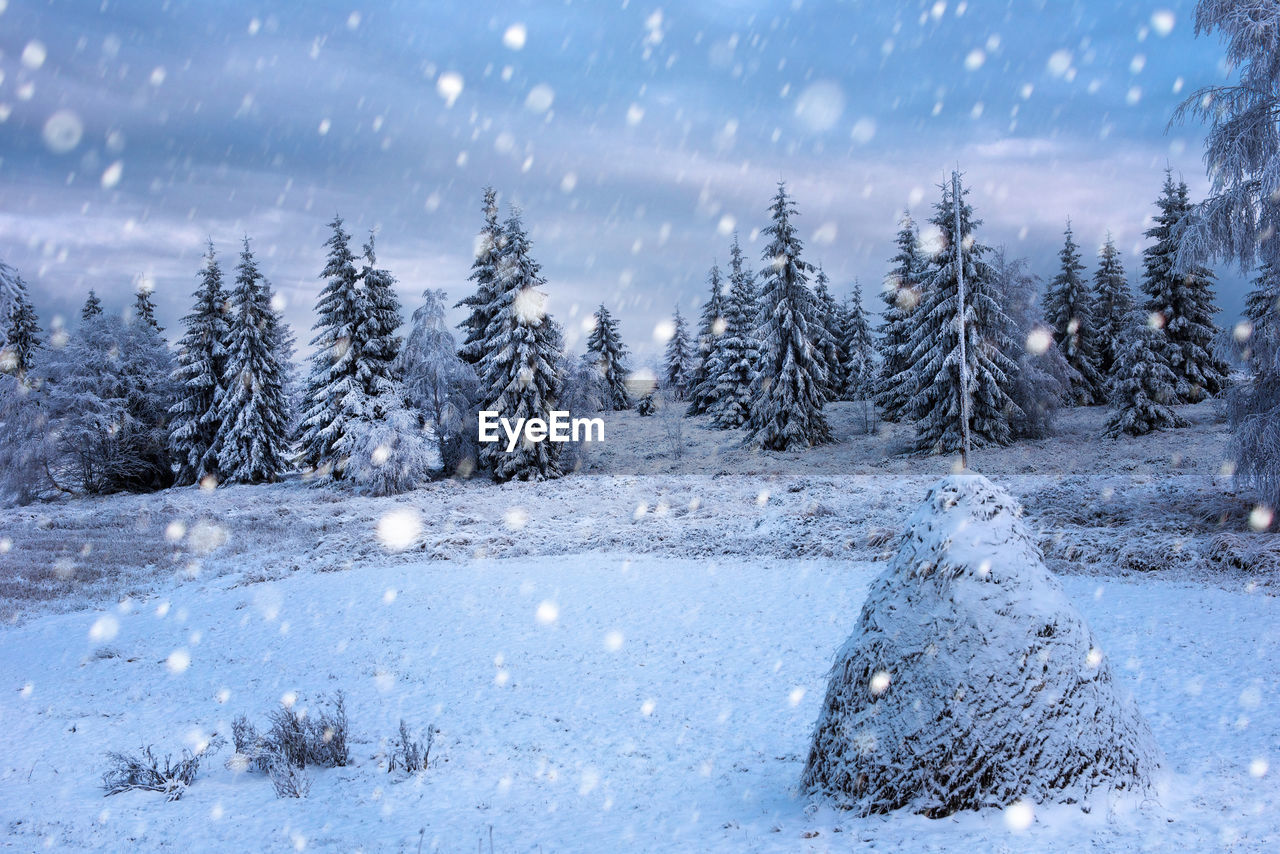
x,y
970,680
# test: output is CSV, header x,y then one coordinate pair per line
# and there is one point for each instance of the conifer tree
x,y
379,344
787,397
144,309
252,444
935,343
1112,304
92,306
438,383
828,335
484,276
1043,374
1262,303
1069,312
610,356
738,350
857,349
894,385
21,337
200,373
1240,218
519,369
337,363
1182,300
677,365
711,325
1144,386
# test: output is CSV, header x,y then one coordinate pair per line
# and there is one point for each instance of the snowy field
x,y
627,659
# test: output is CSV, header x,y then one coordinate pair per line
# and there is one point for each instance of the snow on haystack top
x,y
971,680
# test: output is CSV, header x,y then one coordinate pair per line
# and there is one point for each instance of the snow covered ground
x,y
629,659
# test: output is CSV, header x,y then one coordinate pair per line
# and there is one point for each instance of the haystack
x,y
970,680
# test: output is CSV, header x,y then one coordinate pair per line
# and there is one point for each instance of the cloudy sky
x,y
635,136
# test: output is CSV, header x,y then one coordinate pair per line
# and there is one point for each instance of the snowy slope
x,y
585,703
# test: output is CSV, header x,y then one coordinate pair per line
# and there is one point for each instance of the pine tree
x,y
677,365
252,444
11,285
379,344
1262,303
519,368
1112,304
1043,376
1240,218
144,309
787,398
1144,385
336,364
21,338
109,391
894,385
1069,312
737,357
857,349
485,276
1183,301
828,335
92,307
437,382
712,324
202,358
934,344
610,355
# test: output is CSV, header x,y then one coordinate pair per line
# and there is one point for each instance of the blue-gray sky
x,y
636,136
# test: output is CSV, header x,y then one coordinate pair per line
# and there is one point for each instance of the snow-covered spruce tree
x,y
1262,303
1112,303
202,359
336,371
610,354
1043,375
19,335
439,384
378,324
382,446
828,334
857,349
970,680
583,394
252,445
11,285
1183,300
677,365
484,275
109,390
738,350
894,384
1069,312
1143,386
1240,218
711,325
787,396
92,306
934,343
144,308
519,376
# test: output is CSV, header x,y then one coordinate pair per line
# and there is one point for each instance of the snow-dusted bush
x,y
147,772
409,753
297,737
970,680
645,406
384,448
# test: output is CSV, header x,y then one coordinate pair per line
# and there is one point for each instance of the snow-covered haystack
x,y
970,680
